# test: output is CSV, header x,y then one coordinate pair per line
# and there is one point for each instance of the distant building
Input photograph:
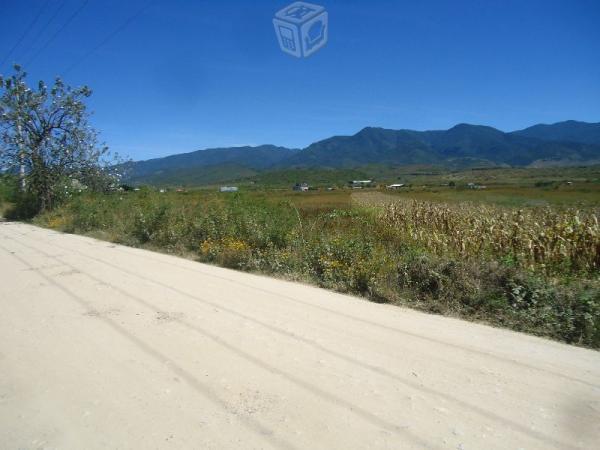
x,y
228,189
396,186
300,187
361,183
476,186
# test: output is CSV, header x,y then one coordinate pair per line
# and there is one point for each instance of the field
x,y
546,184
522,256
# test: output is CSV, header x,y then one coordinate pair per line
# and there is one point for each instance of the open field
x,y
550,183
533,270
523,255
511,196
518,187
307,203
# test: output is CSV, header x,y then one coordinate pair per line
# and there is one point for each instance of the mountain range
x,y
462,146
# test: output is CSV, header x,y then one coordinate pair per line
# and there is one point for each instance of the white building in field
x,y
301,187
228,189
396,186
361,183
476,186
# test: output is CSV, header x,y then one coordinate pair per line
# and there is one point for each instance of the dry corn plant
x,y
546,239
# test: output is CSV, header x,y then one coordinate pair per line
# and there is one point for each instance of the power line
x,y
26,32
55,35
111,35
45,27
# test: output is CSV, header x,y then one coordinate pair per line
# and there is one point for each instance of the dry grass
x,y
581,195
546,239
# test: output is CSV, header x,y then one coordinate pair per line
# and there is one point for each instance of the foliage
x,y
45,131
8,185
424,255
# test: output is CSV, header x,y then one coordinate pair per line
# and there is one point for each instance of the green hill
x,y
462,146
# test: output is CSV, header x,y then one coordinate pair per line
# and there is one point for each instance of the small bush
x,y
23,207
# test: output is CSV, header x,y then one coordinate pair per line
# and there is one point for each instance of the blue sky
x,y
184,75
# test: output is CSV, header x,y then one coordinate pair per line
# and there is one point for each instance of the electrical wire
x,y
60,30
45,27
25,33
108,37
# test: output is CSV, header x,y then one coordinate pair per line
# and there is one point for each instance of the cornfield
x,y
547,239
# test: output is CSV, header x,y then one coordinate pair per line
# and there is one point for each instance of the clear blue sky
x,y
185,75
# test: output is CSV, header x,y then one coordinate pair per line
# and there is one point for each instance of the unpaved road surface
x,y
103,346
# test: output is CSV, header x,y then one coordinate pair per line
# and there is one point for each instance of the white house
x,y
396,186
228,189
476,186
361,183
300,187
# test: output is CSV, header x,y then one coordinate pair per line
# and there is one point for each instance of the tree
x,y
46,138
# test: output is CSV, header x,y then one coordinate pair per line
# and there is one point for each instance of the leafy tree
x,y
45,136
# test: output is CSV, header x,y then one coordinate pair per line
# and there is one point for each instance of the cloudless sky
x,y
183,75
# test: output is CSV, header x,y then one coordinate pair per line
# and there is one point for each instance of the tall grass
x,y
539,239
529,270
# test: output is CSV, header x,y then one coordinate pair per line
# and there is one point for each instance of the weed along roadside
x,y
533,270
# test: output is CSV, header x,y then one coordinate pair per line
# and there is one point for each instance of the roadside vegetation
x,y
523,252
7,193
46,141
528,269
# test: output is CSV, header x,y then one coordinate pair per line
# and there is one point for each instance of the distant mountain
x,y
570,131
461,146
370,145
464,145
196,175
184,164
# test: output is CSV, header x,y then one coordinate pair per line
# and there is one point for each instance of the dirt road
x,y
103,346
